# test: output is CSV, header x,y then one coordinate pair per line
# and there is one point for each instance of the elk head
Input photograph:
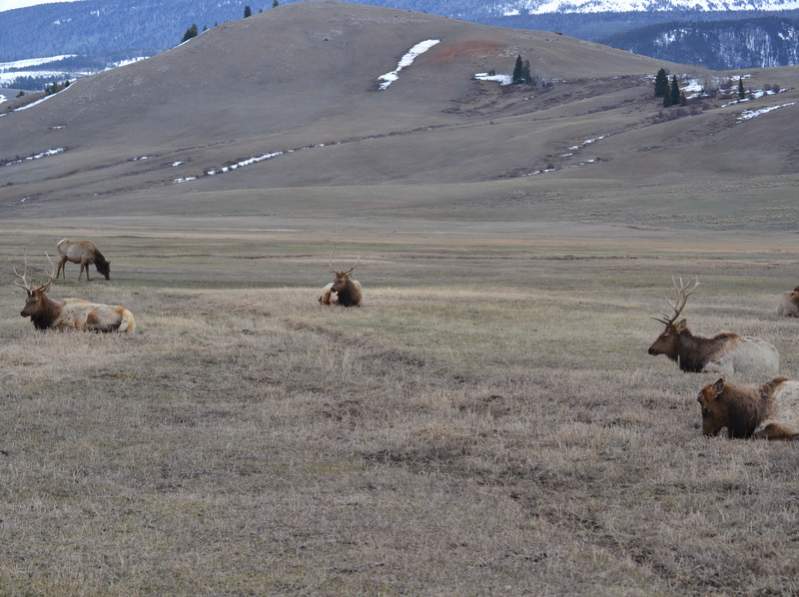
x,y
342,278
668,341
713,411
35,301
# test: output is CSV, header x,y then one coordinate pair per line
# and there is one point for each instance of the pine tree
x,y
661,83
190,32
518,71
275,4
528,78
247,12
667,100
683,99
518,68
675,91
741,90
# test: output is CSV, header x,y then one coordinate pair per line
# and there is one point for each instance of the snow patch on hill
x,y
36,156
386,80
750,114
537,7
503,80
29,62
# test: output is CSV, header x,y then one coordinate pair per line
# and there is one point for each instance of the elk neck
x,y
348,295
47,314
745,411
693,352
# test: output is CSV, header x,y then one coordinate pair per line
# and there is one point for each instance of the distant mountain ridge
x,y
761,42
517,7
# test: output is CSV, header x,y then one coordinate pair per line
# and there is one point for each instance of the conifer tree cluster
x,y
55,87
247,12
190,32
521,72
662,83
673,96
275,3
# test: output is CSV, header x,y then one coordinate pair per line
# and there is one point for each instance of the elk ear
x,y
681,325
718,387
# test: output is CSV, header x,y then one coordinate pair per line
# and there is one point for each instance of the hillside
x,y
762,42
227,125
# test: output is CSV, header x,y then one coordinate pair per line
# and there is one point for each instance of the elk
x,y
348,291
70,313
85,253
725,353
770,411
789,307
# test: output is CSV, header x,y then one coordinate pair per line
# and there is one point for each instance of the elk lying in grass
x,y
83,252
348,291
770,411
726,353
70,313
789,307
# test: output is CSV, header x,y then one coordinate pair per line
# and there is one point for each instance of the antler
x,y
23,281
680,293
27,284
51,276
352,269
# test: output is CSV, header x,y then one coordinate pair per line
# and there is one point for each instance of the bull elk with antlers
x,y
726,353
348,291
70,313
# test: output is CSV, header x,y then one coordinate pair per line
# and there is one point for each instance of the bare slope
x,y
301,82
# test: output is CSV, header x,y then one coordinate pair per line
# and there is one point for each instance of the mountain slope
x,y
285,105
762,42
515,7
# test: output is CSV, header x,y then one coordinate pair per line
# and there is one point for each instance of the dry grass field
x,y
487,423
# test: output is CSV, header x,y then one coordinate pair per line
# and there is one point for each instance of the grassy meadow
x,y
489,422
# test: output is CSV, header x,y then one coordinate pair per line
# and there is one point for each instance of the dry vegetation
x,y
489,422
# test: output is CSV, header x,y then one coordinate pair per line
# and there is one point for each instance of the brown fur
x,y
42,310
790,304
740,409
348,291
691,352
84,252
76,314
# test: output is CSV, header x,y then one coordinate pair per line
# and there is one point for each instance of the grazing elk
x,y
348,291
83,252
789,307
770,411
726,353
70,313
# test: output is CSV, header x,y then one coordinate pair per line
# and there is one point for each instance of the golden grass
x,y
471,430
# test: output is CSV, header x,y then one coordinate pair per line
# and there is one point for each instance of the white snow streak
x,y
503,80
28,62
126,61
36,156
230,168
750,114
412,54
